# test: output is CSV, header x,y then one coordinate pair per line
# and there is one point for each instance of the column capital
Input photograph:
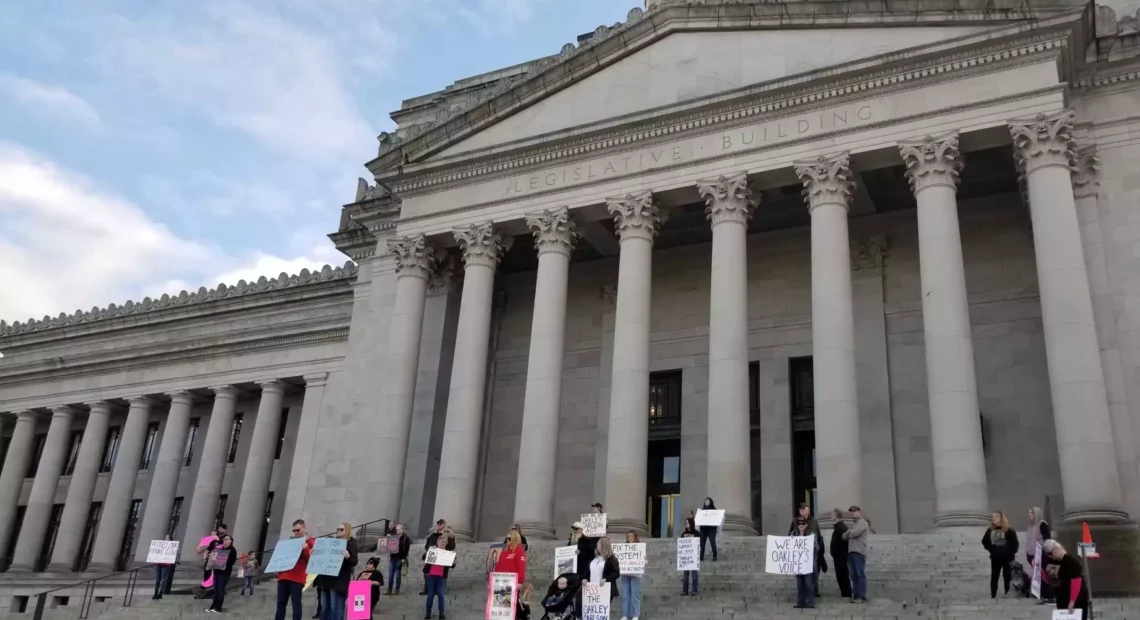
x,y
316,379
141,402
63,411
933,161
27,415
481,245
553,230
1086,170
727,198
99,406
826,179
226,391
1044,140
414,256
185,396
272,386
636,216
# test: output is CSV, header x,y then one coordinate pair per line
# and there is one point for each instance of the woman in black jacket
x,y
372,574
604,568
222,560
839,553
1001,541
708,532
334,590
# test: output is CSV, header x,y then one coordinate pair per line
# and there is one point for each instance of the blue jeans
x,y
332,605
160,572
805,591
288,591
857,566
436,586
630,592
247,583
688,575
395,576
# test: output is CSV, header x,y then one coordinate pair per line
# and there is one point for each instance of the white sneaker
x,y
636,618
624,618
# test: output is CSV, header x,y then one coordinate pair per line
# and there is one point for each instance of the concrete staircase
x,y
939,576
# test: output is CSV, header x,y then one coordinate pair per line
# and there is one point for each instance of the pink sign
x,y
205,542
359,600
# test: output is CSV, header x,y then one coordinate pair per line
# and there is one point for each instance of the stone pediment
x,y
706,48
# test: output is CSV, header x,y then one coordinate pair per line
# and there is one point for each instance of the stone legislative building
x,y
883,253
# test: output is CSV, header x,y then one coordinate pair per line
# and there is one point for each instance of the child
x,y
805,584
686,576
435,578
249,572
522,608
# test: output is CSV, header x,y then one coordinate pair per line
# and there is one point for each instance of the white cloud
x,y
40,98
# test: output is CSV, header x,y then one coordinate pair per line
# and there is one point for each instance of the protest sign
x,y
631,558
502,588
327,556
221,556
162,552
285,555
594,525
596,601
790,555
388,544
440,557
359,600
709,518
1063,614
565,560
1035,584
688,554
493,555
310,579
205,542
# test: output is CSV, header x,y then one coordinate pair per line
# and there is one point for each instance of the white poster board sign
x,y
565,561
790,555
1035,584
596,601
594,525
688,554
1063,614
440,557
501,593
709,518
162,552
631,558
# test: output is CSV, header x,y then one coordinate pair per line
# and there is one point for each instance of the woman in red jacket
x,y
512,559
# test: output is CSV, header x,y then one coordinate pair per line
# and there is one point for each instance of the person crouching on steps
x,y
1001,541
690,575
435,578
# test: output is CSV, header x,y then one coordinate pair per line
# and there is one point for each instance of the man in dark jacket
x,y
813,527
396,560
839,553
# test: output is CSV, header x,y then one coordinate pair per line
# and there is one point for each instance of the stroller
x,y
563,604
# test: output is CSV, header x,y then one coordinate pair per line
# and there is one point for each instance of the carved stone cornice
x,y
1044,140
415,257
554,231
826,179
1086,170
481,245
933,161
727,198
636,216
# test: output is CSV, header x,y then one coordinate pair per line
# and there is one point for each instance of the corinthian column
x,y
82,488
455,496
165,472
729,207
121,490
259,463
16,463
839,470
555,235
960,494
636,220
42,497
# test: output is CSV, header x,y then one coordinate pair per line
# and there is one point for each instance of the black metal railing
x,y
377,528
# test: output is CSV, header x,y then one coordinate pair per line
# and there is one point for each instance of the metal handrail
x,y
132,579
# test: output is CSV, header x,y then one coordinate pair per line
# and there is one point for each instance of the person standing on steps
x,y
1001,541
804,512
1038,532
839,553
630,588
160,576
512,559
805,584
690,575
222,560
396,561
516,528
435,576
334,589
857,547
708,532
440,527
1072,592
249,568
290,583
604,568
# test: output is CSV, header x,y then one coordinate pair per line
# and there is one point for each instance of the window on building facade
x,y
73,452
665,399
265,523
88,544
4,443
129,535
281,434
220,517
17,525
111,449
37,452
49,538
191,435
235,437
175,516
150,447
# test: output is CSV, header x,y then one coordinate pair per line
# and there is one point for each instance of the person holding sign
x,y
334,589
397,560
375,580
435,578
812,529
167,551
1073,593
291,581
1001,541
512,559
708,532
604,568
805,584
629,585
1037,534
689,575
222,560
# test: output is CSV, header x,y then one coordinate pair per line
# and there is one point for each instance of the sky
x,y
151,147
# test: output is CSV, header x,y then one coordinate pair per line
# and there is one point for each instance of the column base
x,y
105,567
463,535
59,567
20,567
537,531
1117,571
739,525
962,519
616,529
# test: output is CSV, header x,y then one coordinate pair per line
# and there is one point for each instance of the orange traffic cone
x,y
1086,539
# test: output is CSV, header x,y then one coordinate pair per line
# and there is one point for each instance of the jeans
x,y
288,591
332,605
630,592
437,587
708,534
805,591
220,581
842,576
247,583
395,575
160,572
857,566
695,576
169,579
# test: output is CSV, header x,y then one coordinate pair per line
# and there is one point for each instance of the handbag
x,y
241,573
404,568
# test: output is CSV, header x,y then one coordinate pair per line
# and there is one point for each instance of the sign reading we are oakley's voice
x,y
790,555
